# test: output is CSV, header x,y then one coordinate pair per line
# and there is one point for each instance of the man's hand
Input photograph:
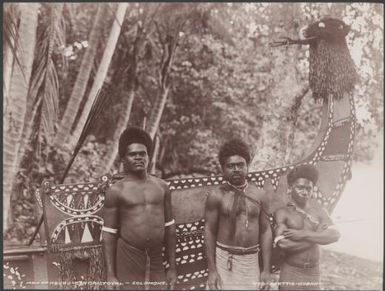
x,y
171,278
214,281
112,283
266,279
294,234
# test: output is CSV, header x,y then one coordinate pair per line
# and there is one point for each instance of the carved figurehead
x,y
332,70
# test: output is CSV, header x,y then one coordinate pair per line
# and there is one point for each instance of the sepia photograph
x,y
193,145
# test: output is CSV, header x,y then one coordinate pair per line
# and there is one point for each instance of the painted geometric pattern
x,y
190,256
71,213
337,146
84,223
77,199
256,177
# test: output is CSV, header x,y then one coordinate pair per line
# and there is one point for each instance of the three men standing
x,y
138,219
138,223
236,228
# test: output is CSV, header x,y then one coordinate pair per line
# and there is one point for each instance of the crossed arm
x,y
284,242
321,237
293,239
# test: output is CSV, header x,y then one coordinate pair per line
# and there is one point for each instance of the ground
x,y
339,272
346,272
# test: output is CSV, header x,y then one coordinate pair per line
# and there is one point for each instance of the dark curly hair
x,y
234,147
134,135
308,172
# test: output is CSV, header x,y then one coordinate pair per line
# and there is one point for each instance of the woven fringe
x,y
95,274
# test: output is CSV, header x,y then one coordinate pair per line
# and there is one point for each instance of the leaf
x,y
10,33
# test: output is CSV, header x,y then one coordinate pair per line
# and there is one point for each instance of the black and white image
x,y
184,146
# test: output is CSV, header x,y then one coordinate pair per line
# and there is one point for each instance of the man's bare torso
x,y
296,220
246,233
141,211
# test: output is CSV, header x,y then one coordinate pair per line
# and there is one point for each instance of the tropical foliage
x,y
192,74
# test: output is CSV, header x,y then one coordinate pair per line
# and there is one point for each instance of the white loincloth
x,y
244,273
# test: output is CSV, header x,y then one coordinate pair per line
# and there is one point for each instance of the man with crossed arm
x,y
302,225
138,220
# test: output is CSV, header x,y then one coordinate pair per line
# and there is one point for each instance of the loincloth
x,y
238,267
131,266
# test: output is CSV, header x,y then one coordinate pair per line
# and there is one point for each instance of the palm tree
x,y
15,115
102,70
44,87
80,86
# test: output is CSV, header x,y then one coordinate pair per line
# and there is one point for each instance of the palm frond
x,y
10,33
45,81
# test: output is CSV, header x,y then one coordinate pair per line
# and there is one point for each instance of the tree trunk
x,y
80,86
102,70
18,92
155,155
33,103
156,113
169,48
108,162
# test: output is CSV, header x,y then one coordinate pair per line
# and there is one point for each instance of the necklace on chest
x,y
239,194
305,214
241,188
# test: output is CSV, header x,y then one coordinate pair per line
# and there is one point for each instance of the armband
x,y
278,238
171,222
109,230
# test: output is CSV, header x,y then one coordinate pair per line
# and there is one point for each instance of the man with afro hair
x,y
236,228
138,219
302,225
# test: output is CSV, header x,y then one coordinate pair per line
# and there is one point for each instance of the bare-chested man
x,y
138,220
302,226
236,228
